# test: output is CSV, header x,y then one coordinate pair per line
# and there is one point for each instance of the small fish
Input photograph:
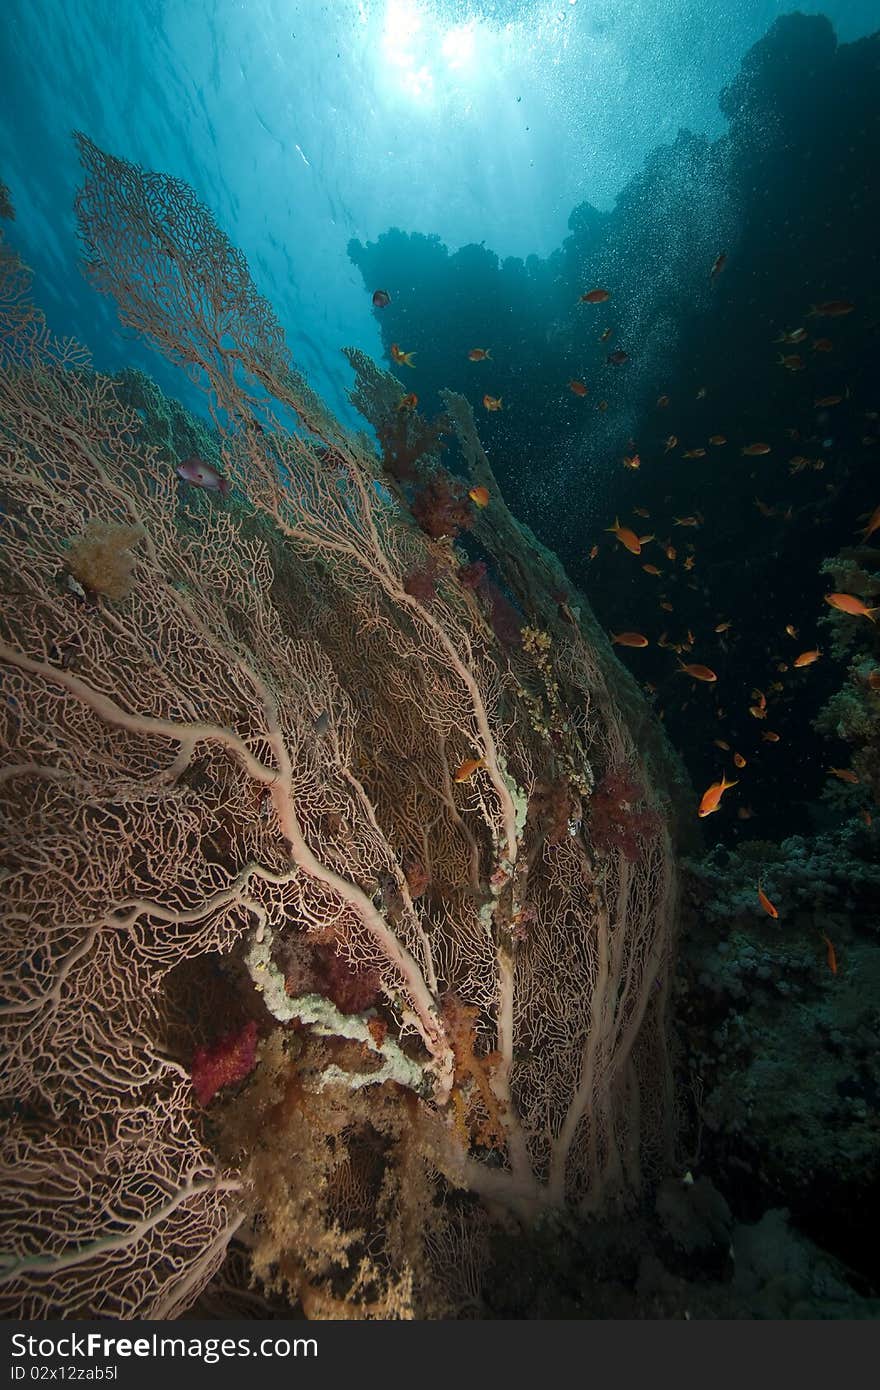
x,y
479,355
694,454
831,954
492,402
686,520
757,712
662,402
629,639
626,537
849,603
403,358
791,629
689,562
632,461
845,774
717,439
702,393
408,402
763,508
719,743
722,627
594,552
782,666
751,450
831,309
827,400
797,464
641,511
822,345
776,686
671,552
745,813
468,768
666,606
595,297
711,799
671,443
792,362
603,405
797,335
739,760
381,299
866,817
198,473
651,569
807,658
479,495
699,673
873,523
765,902
769,737
718,265
603,337
617,357
577,388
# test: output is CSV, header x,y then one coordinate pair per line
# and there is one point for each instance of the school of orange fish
x,y
634,543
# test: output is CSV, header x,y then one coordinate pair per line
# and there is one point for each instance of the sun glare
x,y
419,51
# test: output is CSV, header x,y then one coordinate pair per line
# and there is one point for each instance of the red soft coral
x,y
228,1060
441,507
619,819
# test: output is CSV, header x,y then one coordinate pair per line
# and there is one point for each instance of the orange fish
x,y
793,362
666,606
468,768
629,639
722,627
873,523
479,355
594,552
745,813
404,358
769,737
822,345
651,569
577,388
719,743
739,760
831,954
632,461
699,673
791,629
797,335
718,265
828,400
717,439
866,817
765,902
685,521
782,666
626,537
603,337
845,774
831,309
754,449
712,796
641,511
694,454
408,402
595,297
849,603
757,712
671,552
662,402
807,658
480,495
492,402
671,443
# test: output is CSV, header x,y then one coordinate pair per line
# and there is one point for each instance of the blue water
x,y
304,125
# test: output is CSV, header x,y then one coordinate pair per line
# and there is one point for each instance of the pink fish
x,y
194,470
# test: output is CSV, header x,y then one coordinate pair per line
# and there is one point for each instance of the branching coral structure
x,y
268,852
